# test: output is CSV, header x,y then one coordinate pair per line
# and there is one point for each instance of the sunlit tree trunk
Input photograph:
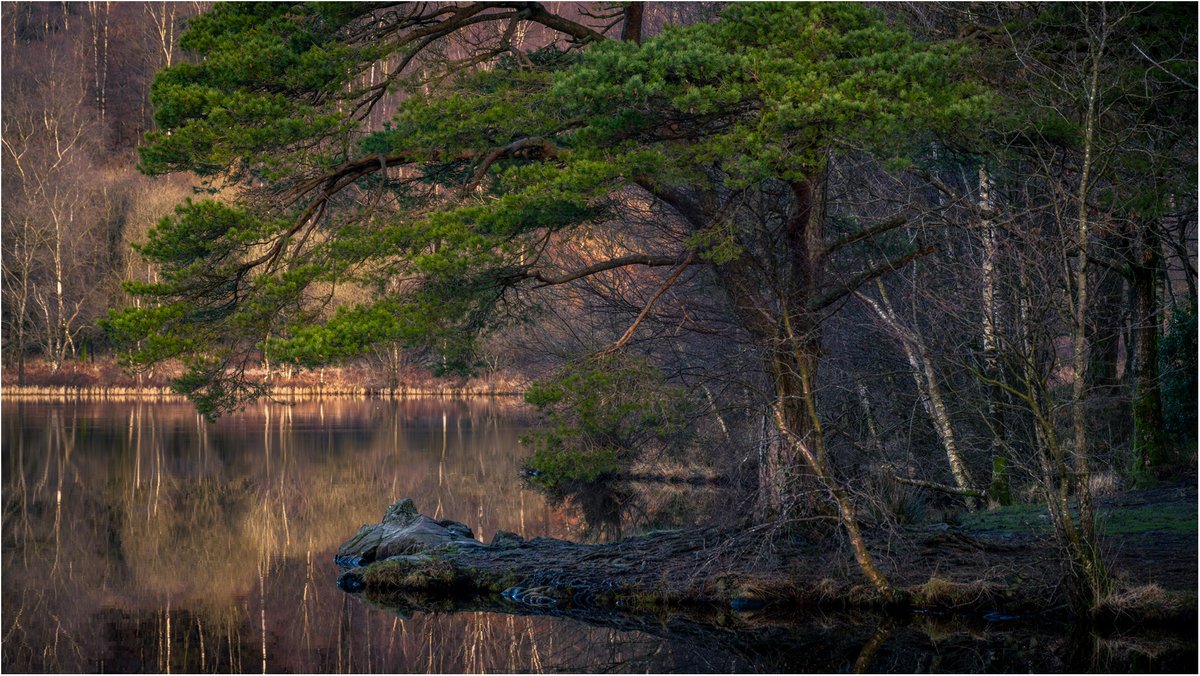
x,y
20,253
998,489
162,17
99,12
65,321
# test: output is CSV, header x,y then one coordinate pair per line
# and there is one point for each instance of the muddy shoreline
x,y
409,560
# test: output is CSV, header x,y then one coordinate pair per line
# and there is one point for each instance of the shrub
x,y
600,414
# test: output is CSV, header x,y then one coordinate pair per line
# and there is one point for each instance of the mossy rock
x,y
402,531
423,573
504,538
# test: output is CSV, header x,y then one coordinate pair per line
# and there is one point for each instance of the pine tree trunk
x,y
775,311
1109,414
631,30
1104,336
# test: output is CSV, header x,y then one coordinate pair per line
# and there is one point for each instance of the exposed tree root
x,y
409,560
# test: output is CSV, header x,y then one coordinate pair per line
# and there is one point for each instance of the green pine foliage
x,y
260,92
271,104
600,415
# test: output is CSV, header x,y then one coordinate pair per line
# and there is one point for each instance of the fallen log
x,y
414,561
408,553
411,559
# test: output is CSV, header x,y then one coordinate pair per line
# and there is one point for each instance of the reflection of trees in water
x,y
138,508
605,508
206,544
596,641
138,538
482,642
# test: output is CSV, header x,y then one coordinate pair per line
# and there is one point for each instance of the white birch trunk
x,y
925,377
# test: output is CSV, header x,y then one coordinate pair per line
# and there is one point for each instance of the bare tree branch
x,y
612,264
868,233
858,280
934,486
1163,68
624,339
547,149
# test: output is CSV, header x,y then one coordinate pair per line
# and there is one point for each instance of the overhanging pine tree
x,y
455,205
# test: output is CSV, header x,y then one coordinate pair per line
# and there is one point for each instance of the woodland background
x,y
927,373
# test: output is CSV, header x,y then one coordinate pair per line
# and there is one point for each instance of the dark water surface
x,y
137,538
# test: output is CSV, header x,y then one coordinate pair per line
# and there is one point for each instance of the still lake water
x,y
137,538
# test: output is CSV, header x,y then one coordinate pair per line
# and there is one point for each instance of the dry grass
x,y
1146,603
105,379
939,592
1104,484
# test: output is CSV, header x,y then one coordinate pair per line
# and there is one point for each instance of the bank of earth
x,y
998,566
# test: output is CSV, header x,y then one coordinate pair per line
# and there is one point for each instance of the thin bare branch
x,y
858,280
670,281
612,264
867,233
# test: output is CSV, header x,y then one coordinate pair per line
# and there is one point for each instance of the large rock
x,y
402,531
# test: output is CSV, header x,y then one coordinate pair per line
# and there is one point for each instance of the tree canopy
x,y
427,174
449,213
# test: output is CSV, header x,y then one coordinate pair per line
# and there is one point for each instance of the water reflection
x,y
203,547
137,538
